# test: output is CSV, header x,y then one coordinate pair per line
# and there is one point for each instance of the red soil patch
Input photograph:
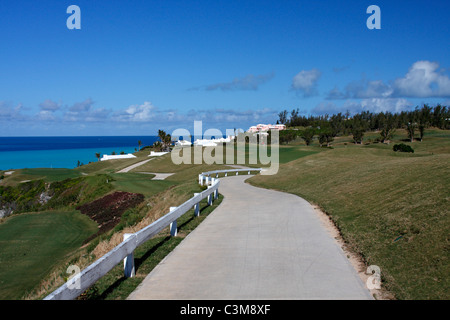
x,y
108,210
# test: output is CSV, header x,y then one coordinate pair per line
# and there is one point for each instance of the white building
x,y
117,156
212,142
183,143
266,127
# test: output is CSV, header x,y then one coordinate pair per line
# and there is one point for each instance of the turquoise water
x,y
62,152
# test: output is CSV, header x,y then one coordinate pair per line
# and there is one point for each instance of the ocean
x,y
63,152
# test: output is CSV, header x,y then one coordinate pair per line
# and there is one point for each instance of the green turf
x,y
139,183
51,175
391,207
114,286
32,244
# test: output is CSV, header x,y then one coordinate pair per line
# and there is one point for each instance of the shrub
x,y
402,148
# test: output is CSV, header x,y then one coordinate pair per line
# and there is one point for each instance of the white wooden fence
x,y
124,251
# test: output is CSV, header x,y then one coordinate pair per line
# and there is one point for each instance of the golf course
x,y
391,209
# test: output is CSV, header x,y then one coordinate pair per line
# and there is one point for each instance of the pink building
x,y
267,127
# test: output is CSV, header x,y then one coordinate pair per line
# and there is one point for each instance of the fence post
x,y
226,173
173,225
200,179
196,207
237,172
249,172
214,195
209,198
128,262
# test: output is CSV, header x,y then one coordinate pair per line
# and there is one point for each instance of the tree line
x,y
328,127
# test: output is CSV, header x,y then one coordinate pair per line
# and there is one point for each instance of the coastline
x,y
20,152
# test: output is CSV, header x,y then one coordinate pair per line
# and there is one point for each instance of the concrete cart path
x,y
258,244
158,175
124,170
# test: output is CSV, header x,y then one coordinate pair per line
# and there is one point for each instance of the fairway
x,y
32,244
51,175
391,208
139,183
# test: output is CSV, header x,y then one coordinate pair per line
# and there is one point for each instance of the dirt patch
x,y
108,210
356,261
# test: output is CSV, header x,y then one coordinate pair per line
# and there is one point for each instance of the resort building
x,y
183,143
117,156
266,127
212,142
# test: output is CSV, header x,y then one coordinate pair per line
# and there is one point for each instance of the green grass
x,y
50,175
139,183
114,286
392,208
46,174
74,187
288,154
32,244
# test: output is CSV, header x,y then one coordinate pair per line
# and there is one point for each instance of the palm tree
x,y
98,156
139,143
165,138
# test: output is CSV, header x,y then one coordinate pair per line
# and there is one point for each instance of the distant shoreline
x,y
63,152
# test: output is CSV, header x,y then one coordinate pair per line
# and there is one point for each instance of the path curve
x,y
258,244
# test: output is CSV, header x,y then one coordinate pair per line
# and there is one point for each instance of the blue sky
x,y
138,66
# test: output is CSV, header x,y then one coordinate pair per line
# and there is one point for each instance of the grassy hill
x,y
391,208
48,237
32,244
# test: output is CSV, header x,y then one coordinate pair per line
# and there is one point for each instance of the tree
x,y
283,117
336,123
325,137
287,136
387,127
424,120
165,140
308,135
410,129
157,146
358,129
98,156
139,143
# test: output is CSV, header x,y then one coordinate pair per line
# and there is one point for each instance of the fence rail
x,y
124,251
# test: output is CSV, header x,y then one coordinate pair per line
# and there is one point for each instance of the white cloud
x,y
49,105
393,105
423,80
84,106
46,115
306,81
137,113
7,112
84,111
374,105
249,82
